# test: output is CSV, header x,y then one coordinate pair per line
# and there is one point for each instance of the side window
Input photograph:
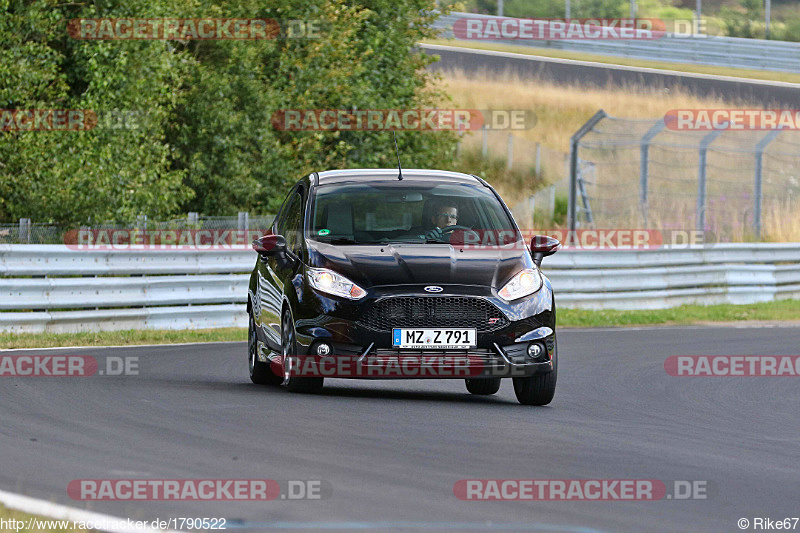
x,y
293,223
280,221
280,218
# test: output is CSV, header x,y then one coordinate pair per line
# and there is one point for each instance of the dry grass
x,y
562,110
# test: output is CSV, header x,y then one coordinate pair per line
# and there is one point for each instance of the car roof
x,y
388,174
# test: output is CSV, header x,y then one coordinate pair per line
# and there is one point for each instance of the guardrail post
x,y
510,162
25,230
572,214
757,195
701,179
644,165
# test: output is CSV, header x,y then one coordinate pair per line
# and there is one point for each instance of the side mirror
x,y
542,246
270,245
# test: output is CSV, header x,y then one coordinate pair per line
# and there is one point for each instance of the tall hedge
x,y
185,125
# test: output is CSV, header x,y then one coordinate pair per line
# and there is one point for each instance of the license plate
x,y
440,339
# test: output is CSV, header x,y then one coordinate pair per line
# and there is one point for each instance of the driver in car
x,y
444,214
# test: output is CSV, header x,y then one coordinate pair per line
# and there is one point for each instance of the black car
x,y
376,274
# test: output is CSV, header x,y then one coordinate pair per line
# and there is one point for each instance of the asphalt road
x,y
392,450
760,94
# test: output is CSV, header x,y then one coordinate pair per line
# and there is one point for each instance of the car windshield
x,y
404,211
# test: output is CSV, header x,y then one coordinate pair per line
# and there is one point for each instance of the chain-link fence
x,y
27,232
528,175
740,185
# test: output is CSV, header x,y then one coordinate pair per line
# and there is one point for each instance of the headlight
x,y
329,281
524,283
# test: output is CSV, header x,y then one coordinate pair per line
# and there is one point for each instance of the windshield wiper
x,y
342,240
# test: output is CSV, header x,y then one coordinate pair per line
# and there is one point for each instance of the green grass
x,y
120,338
661,65
780,311
9,514
783,310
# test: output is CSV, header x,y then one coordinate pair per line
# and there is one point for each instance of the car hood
x,y
401,264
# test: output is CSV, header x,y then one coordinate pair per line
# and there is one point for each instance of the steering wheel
x,y
450,229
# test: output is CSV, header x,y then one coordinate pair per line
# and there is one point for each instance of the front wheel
x,y
260,372
289,352
483,387
538,389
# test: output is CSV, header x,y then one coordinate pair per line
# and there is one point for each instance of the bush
x,y
208,144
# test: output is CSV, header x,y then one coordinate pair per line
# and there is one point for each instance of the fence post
x,y
538,160
25,230
701,179
757,195
572,214
191,220
587,208
510,162
644,165
532,208
485,143
244,220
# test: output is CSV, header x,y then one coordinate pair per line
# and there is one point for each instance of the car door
x,y
275,272
270,290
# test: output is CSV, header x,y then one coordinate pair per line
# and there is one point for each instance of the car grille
x,y
434,312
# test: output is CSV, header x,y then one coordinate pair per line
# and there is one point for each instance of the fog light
x,y
323,349
535,350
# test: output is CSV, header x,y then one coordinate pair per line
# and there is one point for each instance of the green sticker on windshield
x,y
323,232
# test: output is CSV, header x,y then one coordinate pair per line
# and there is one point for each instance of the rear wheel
x,y
538,389
483,387
260,372
289,352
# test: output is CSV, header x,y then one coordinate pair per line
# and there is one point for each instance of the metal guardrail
x,y
53,288
738,273
700,50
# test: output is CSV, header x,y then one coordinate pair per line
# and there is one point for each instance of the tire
x,y
483,387
538,389
260,372
289,348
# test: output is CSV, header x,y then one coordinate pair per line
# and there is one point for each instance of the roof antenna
x,y
399,168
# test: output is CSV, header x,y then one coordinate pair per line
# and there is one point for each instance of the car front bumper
x,y
356,350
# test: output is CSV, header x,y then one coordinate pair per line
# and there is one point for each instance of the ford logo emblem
x,y
433,288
